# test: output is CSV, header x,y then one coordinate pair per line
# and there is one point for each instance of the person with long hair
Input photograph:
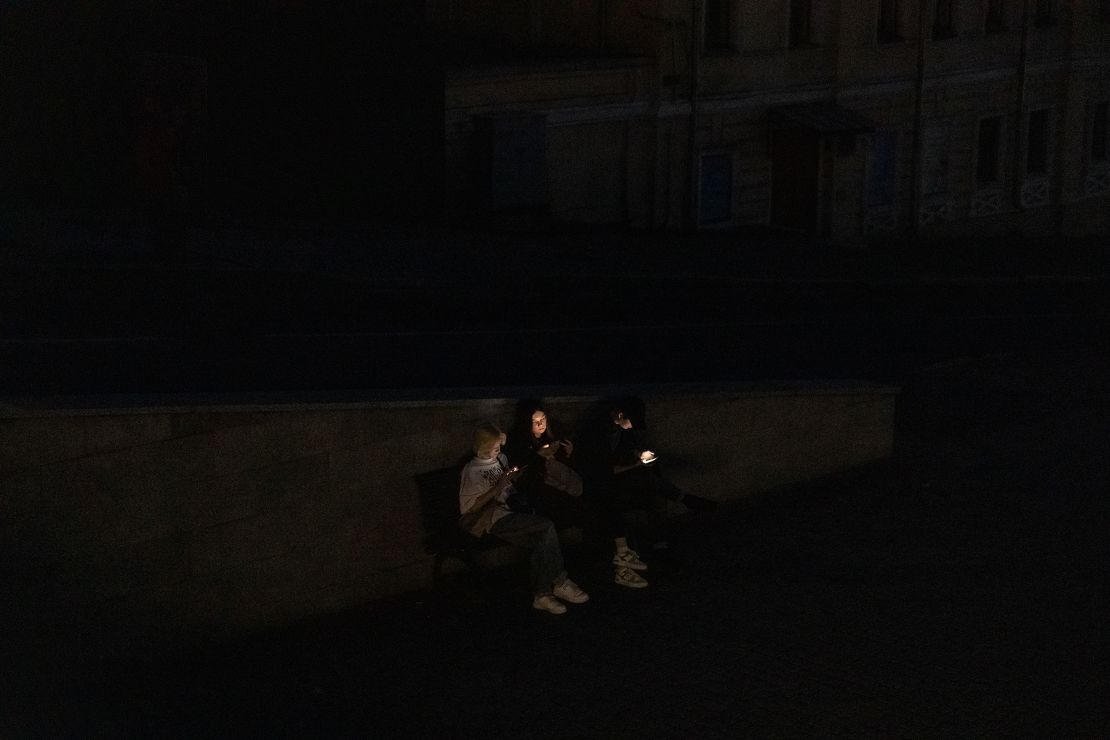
x,y
549,478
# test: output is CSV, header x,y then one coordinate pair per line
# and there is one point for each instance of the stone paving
x,y
87,311
960,589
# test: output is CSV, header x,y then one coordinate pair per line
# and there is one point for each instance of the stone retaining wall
x,y
221,518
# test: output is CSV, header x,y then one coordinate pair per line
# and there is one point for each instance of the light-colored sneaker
x,y
629,559
548,603
630,578
569,591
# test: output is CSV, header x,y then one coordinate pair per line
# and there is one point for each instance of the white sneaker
x,y
548,603
569,591
629,559
630,578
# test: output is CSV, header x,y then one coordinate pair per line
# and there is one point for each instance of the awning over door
x,y
820,118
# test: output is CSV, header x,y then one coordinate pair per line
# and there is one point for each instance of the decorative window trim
x,y
1097,183
986,202
1035,192
935,209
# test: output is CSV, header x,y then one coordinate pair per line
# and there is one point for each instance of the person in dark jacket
x,y
624,474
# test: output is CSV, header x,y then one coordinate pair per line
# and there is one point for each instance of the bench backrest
x,y
439,505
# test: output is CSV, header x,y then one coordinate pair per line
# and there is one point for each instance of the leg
x,y
538,535
650,480
562,477
614,502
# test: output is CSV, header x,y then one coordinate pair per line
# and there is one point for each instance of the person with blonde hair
x,y
486,503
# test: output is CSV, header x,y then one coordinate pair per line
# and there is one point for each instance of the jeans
x,y
538,535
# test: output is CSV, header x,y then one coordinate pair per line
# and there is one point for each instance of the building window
x,y
996,16
511,160
801,15
944,24
988,152
1036,149
935,155
888,21
715,190
882,169
1099,132
718,25
1045,13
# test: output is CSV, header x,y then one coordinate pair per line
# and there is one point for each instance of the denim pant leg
x,y
537,534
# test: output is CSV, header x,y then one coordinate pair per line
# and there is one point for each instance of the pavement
x,y
959,589
91,309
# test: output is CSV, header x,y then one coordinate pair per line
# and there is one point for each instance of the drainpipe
x,y
1058,191
692,144
918,123
1019,125
603,25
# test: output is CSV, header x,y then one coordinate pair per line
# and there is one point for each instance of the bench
x,y
439,504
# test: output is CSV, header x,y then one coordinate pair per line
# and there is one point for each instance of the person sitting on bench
x,y
486,505
625,476
548,478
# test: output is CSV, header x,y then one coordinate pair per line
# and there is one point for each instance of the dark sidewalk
x,y
960,589
98,309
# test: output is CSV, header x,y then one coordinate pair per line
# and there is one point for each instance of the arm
x,y
629,450
468,504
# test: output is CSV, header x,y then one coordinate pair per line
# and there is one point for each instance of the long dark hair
x,y
522,424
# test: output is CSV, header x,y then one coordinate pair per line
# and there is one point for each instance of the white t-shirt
x,y
478,476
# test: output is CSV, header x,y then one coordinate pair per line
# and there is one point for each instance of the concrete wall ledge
x,y
19,407
210,515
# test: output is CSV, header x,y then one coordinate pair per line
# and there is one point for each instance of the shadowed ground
x,y
90,310
958,590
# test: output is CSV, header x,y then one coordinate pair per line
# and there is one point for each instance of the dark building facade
x,y
837,118
843,119
183,111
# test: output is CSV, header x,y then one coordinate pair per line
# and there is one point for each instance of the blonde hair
x,y
486,435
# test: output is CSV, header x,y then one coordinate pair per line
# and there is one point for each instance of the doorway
x,y
795,168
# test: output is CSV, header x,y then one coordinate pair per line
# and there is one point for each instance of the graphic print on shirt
x,y
492,473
